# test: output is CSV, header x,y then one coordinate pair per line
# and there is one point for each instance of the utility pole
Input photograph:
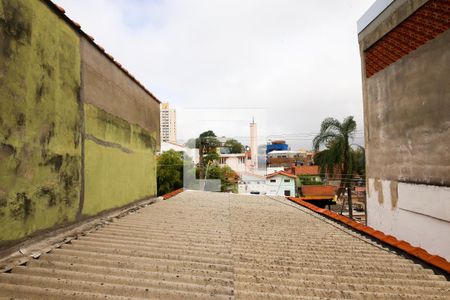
x,y
349,195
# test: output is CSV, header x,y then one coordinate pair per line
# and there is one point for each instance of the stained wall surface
x,y
40,149
407,122
78,135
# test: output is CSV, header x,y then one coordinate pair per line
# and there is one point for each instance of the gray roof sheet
x,y
213,245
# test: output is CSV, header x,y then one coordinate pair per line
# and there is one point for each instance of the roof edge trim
x,y
372,13
420,253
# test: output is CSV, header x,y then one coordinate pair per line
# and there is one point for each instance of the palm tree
x,y
336,136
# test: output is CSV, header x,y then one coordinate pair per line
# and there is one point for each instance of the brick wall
x,y
432,19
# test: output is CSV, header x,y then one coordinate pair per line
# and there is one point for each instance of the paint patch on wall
x,y
39,119
126,176
394,194
378,187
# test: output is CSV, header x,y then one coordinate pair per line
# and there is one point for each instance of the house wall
x,y
122,135
279,186
40,144
407,126
235,163
77,135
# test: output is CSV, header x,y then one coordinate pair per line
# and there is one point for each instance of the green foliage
x,y
359,161
170,172
207,141
211,157
225,174
335,136
310,180
207,144
234,146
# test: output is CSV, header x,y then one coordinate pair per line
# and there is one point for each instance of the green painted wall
x,y
120,165
41,123
40,151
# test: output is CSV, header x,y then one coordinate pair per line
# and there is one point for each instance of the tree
x,y
359,161
191,143
169,172
206,143
336,136
210,157
226,175
234,146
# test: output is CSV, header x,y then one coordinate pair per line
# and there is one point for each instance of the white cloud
x,y
297,59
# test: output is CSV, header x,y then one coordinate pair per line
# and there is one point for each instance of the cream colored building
x,y
168,124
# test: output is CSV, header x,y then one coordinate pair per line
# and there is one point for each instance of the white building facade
x,y
168,121
280,184
252,184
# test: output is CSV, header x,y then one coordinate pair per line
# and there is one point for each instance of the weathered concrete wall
x,y
78,136
407,132
40,150
122,126
408,117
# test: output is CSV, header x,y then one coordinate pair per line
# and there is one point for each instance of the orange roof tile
x,y
282,173
318,190
307,170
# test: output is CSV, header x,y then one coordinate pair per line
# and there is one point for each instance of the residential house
x,y
320,195
278,145
251,183
236,161
284,158
281,184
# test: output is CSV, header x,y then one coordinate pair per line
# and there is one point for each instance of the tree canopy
x,y
234,146
169,172
335,136
207,141
338,154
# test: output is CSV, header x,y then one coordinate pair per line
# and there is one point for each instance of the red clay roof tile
x,y
283,173
307,170
318,190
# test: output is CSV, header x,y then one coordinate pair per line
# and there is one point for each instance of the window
x,y
287,192
273,180
287,180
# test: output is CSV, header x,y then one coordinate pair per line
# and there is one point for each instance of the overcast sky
x,y
296,60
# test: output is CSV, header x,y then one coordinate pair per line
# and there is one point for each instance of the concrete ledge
x,y
422,254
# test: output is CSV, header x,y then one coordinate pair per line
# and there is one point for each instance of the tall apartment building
x,y
168,124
